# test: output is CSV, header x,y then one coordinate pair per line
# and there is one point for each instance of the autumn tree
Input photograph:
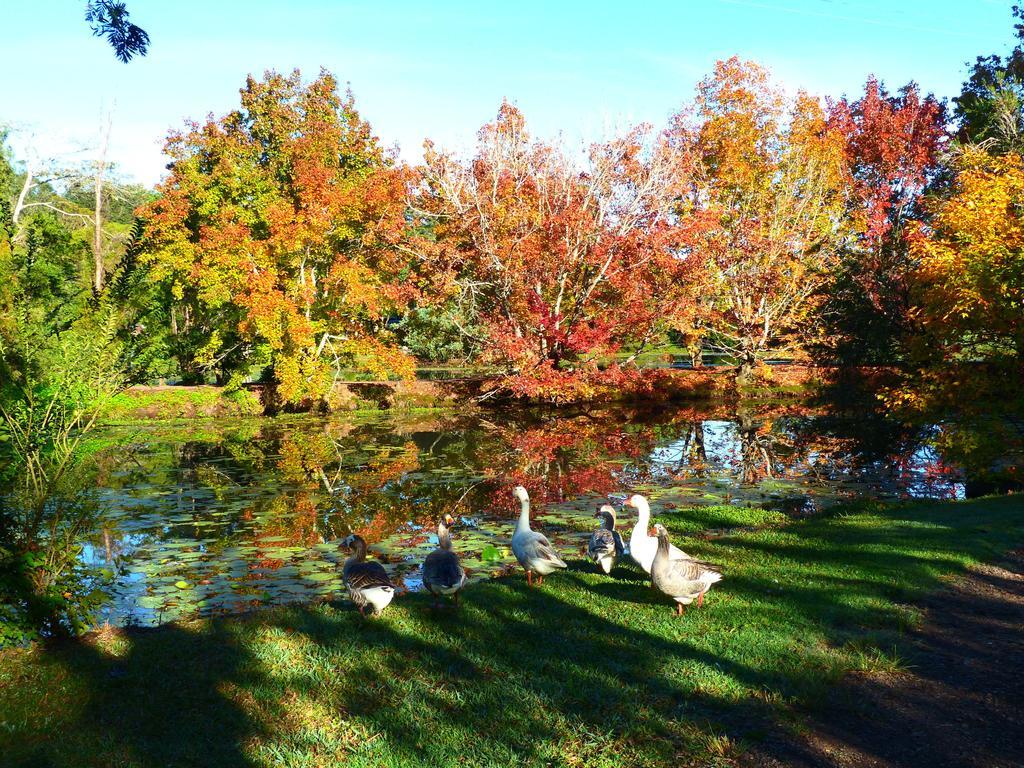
x,y
893,145
763,210
278,235
970,278
559,264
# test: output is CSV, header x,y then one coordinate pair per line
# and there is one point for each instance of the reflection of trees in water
x,y
243,496
592,453
46,520
904,458
790,443
758,448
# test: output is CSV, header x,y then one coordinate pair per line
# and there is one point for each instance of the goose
x,y
442,572
642,546
367,581
533,550
683,580
605,545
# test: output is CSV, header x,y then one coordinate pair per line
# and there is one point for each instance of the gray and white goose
x,y
605,546
532,549
683,580
367,581
442,572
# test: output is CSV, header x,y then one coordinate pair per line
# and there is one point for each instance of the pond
x,y
208,517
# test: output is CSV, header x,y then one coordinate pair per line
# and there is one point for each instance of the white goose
x,y
533,550
643,546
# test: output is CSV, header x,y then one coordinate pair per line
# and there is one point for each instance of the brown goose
x,y
367,581
605,546
683,580
442,572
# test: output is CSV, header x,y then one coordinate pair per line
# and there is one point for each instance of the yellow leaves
x,y
380,360
302,375
970,278
208,352
768,211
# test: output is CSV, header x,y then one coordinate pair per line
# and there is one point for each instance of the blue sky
x,y
441,69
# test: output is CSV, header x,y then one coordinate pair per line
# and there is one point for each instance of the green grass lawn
x,y
586,670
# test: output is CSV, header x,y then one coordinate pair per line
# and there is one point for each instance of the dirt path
x,y
960,704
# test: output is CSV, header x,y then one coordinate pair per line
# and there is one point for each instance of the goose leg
x,y
362,611
540,581
679,609
529,578
700,600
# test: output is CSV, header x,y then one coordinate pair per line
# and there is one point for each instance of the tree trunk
x,y
745,371
97,243
20,202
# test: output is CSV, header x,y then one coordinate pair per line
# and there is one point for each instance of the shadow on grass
x,y
584,670
162,703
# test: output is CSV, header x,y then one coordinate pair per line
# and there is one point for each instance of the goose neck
x,y
444,539
524,514
663,543
643,514
358,551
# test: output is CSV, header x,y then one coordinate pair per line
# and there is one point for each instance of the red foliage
x,y
893,144
560,265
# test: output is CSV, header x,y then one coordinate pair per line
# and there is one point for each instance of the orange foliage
x,y
280,228
763,215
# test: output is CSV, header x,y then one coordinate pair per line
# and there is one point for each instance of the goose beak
x,y
449,520
653,532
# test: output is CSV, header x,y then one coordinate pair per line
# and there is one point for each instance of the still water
x,y
212,517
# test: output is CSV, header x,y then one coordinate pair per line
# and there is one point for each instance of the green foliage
x,y
119,199
989,107
60,360
151,347
109,19
437,334
52,387
855,328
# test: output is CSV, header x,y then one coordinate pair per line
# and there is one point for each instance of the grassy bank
x,y
169,403
145,403
651,385
585,670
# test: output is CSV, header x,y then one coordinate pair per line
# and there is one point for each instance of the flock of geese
x,y
672,571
